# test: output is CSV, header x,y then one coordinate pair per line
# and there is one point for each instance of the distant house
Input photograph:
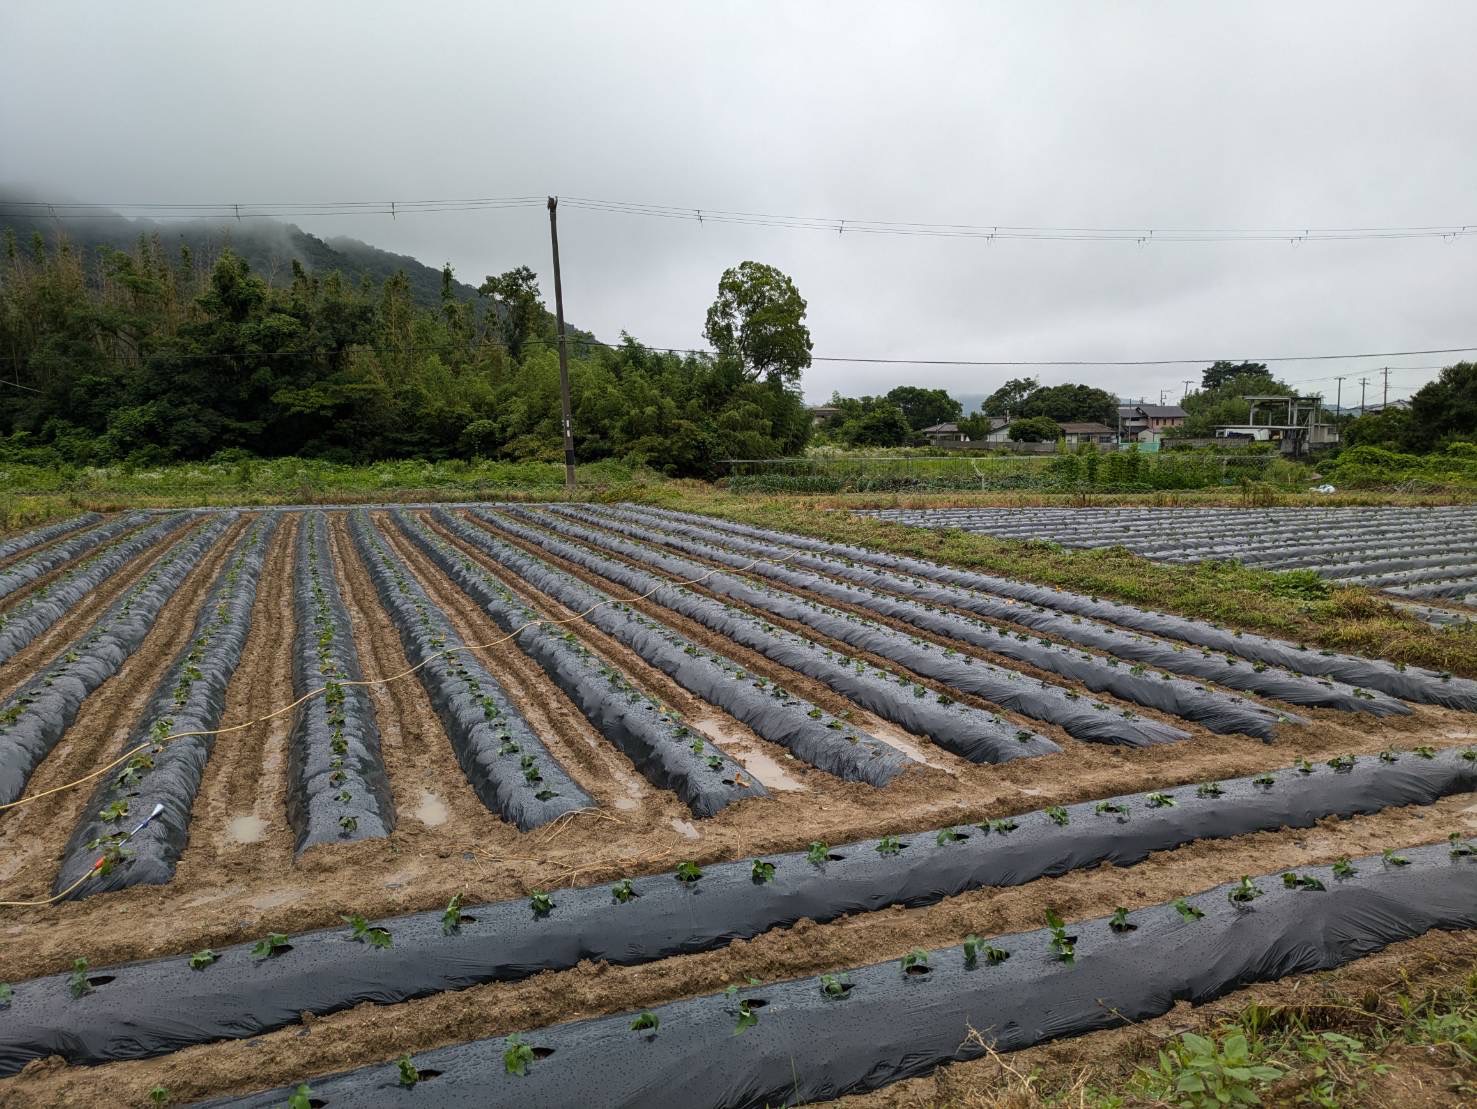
x,y
944,435
1076,433
1136,418
821,414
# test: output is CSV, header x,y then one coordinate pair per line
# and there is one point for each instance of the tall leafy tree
x,y
1071,403
517,305
1008,399
758,322
1217,374
925,407
1444,409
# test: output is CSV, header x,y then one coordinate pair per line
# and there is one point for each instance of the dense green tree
x,y
1389,428
1445,409
1207,408
519,310
924,407
1071,403
1217,374
1007,400
758,322
1033,429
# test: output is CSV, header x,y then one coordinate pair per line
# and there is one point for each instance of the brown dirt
x,y
231,892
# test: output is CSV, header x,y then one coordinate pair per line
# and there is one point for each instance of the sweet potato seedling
x,y
972,947
1390,754
1187,911
265,949
1003,826
622,891
302,1098
1209,789
1119,921
159,1095
202,958
1105,808
1302,882
6,995
114,812
646,1022
1389,858
1244,892
916,961
762,871
1303,766
1266,781
747,1018
1424,752
947,835
1343,868
451,919
518,1057
541,903
816,853
1460,848
1063,946
77,983
1160,801
1058,815
409,1076
889,845
688,871
1342,764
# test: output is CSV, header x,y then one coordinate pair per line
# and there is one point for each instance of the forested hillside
x,y
164,352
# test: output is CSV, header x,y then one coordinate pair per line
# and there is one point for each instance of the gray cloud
x,y
1162,115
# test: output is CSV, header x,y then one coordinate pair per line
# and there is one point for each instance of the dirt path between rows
x,y
370,1033
33,837
22,665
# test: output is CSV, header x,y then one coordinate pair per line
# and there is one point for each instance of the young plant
x,y
302,1097
1058,815
451,919
1103,808
202,958
265,949
1460,848
77,984
409,1076
1389,858
1424,752
159,1095
646,1022
518,1057
688,872
1342,764
816,853
1160,801
540,902
1063,946
1119,921
1343,868
1004,826
114,812
833,986
747,1017
889,845
6,995
1209,789
1302,882
1198,1072
1303,766
761,871
947,835
916,961
1265,780
1390,754
1244,892
1187,911
623,891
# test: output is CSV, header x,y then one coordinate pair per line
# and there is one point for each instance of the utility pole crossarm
x,y
563,349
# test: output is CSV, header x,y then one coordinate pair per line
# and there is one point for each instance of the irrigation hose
x,y
155,745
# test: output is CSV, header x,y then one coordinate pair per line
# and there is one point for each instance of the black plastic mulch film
x,y
813,1039
34,717
34,613
26,570
1277,683
190,696
506,764
1220,712
1410,683
162,1005
336,784
969,732
816,736
46,533
1079,716
664,749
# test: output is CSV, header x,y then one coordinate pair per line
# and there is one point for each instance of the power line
x,y
1143,235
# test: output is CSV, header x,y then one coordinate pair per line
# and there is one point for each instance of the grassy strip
x,y
1295,605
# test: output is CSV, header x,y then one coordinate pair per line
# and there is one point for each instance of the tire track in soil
x,y
238,825
771,763
436,807
21,666
374,1034
591,760
32,838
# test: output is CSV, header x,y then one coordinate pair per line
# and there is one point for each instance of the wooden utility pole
x,y
1385,401
563,348
1363,381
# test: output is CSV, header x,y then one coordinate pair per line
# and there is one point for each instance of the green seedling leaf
x,y
972,947
1209,789
1424,752
816,853
1264,780
1103,808
688,872
889,845
1119,921
1460,848
77,984
646,1022
409,1075
622,891
1303,766
915,958
1389,858
302,1098
1187,911
1390,754
1244,892
833,985
1343,868
6,995
1058,815
747,1018
159,1095
1342,764
1302,882
518,1057
541,903
1004,826
947,835
1062,945
202,958
1160,801
265,949
762,871
451,919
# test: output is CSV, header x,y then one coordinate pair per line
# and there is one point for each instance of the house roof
x,y
1155,411
941,429
1089,428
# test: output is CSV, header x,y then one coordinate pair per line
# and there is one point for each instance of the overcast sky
x,y
1085,114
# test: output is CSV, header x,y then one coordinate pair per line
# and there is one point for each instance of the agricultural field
x,y
1426,556
485,804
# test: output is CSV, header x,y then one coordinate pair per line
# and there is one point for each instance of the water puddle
x,y
766,771
686,830
248,828
432,810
